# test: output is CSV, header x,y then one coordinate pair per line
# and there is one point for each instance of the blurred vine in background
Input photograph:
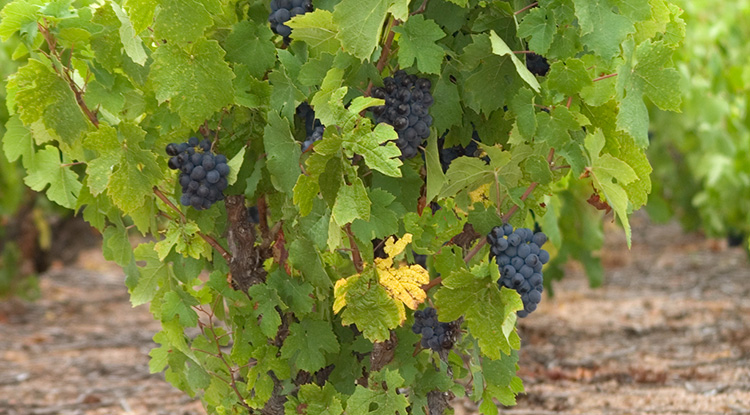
x,y
701,158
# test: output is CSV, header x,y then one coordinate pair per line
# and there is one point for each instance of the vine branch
x,y
356,257
211,241
603,77
511,211
530,6
65,73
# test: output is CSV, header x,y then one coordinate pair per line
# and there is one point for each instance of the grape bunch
x,y
435,335
313,127
537,64
203,175
448,154
282,11
520,257
407,102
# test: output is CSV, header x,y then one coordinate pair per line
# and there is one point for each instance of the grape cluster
x,y
282,11
203,175
313,127
435,335
537,64
520,257
448,154
407,102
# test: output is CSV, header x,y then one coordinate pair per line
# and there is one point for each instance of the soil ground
x,y
667,333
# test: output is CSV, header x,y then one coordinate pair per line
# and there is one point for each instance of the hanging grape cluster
x,y
282,11
537,64
520,257
203,175
448,154
407,102
435,335
313,127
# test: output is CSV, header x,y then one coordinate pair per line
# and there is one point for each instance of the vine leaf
x,y
404,283
539,25
282,153
351,203
183,21
151,275
499,47
46,169
644,74
307,344
318,30
418,42
197,81
489,311
381,398
316,400
251,45
130,40
368,305
360,25
594,15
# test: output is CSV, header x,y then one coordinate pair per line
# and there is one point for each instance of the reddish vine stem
x,y
510,212
604,77
211,241
383,60
356,257
530,6
432,283
421,8
522,52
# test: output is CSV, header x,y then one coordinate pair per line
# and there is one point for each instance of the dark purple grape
x,y
222,168
193,141
174,163
213,176
172,149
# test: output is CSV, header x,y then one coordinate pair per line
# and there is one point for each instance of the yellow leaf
x,y
394,248
405,283
339,292
480,194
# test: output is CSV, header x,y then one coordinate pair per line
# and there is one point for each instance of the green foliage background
x,y
106,85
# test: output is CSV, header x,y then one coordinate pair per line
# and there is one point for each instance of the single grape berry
x,y
520,258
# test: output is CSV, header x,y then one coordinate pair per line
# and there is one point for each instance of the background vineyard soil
x,y
668,333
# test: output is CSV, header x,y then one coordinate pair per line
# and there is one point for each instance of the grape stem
x,y
511,211
530,6
66,71
421,8
604,77
385,54
432,283
211,241
356,257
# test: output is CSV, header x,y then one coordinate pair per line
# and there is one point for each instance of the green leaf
x,y
318,30
251,45
568,77
307,344
376,147
315,400
485,307
593,16
129,37
539,25
352,203
435,176
418,41
282,153
499,47
296,294
48,169
19,16
384,216
644,74
17,142
360,25
382,398
197,82
305,192
151,275
304,257
523,105
370,307
184,21
265,301
179,303
41,96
